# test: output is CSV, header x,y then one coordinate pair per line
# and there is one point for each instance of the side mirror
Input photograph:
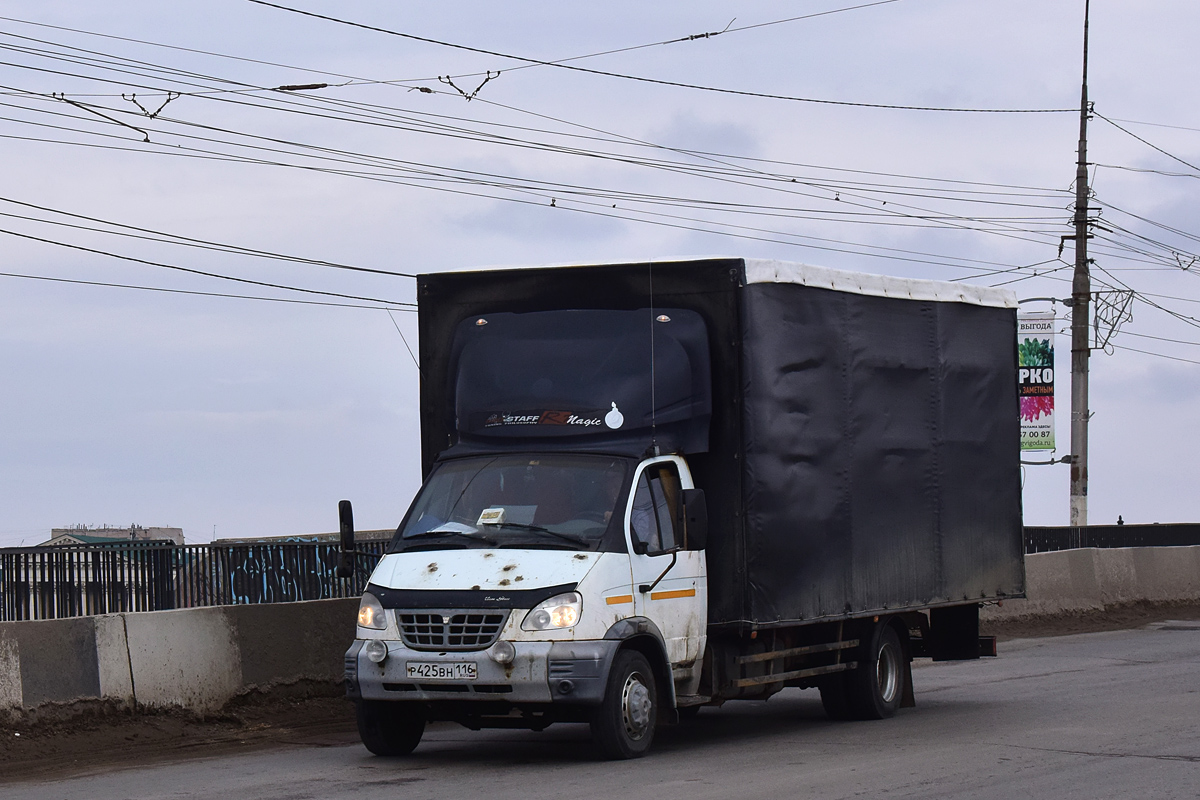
x,y
346,555
695,519
640,547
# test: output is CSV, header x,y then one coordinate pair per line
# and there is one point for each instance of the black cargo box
x,y
863,451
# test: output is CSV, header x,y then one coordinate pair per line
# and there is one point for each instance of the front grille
x,y
450,630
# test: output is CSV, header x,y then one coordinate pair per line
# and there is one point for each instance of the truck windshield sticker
x,y
585,419
614,419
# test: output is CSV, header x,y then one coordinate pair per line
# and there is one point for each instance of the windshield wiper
x,y
476,536
539,529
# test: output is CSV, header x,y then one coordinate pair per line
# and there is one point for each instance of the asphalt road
x,y
1101,715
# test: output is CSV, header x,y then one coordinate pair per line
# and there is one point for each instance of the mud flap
x,y
909,699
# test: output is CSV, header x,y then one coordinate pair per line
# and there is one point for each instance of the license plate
x,y
444,671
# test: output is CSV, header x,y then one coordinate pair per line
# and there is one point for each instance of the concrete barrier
x,y
201,658
197,658
1094,579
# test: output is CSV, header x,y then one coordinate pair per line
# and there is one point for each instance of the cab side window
x,y
656,505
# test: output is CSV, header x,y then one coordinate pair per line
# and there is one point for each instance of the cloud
x,y
688,131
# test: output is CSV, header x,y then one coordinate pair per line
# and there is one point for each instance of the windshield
x,y
553,500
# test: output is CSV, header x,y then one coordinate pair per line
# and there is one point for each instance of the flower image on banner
x,y
1035,379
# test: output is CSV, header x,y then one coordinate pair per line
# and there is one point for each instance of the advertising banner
x,y
1035,379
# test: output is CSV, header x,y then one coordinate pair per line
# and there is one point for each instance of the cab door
x,y
669,579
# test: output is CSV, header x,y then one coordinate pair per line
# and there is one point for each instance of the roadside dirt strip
x,y
96,740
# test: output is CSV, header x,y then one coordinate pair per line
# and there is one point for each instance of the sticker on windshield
x,y
492,516
571,419
614,419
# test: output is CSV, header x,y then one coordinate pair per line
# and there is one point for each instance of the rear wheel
x,y
389,729
623,723
835,697
876,687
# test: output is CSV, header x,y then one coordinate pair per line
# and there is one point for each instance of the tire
x,y
835,697
876,687
389,729
623,723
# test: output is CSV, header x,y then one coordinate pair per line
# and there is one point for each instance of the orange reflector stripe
x,y
616,600
673,594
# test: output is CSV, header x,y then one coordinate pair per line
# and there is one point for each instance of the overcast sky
x,y
240,417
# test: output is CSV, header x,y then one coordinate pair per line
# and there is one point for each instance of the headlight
x,y
376,651
503,652
560,611
370,613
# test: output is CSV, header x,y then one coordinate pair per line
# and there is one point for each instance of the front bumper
x,y
541,672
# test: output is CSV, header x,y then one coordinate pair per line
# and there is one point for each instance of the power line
x,y
326,101
1118,127
1159,338
172,47
1156,124
641,79
1184,318
201,272
558,187
1147,170
543,194
201,294
355,80
1159,355
293,104
172,238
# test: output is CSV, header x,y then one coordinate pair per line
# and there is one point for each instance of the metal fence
x,y
1046,539
82,580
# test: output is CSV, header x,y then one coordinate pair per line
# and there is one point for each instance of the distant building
x,y
82,534
326,538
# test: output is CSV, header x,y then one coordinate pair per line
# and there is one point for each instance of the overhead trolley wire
x,y
307,103
556,187
560,64
355,80
422,171
543,200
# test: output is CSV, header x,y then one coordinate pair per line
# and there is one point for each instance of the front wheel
x,y
623,723
389,729
876,688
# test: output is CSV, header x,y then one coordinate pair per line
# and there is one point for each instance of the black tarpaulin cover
x,y
880,453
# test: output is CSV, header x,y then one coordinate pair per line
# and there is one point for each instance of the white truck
x,y
656,486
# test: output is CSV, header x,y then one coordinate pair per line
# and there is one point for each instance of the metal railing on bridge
x,y
83,580
1047,539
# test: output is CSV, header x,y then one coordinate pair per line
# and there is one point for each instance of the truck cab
x,y
513,584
